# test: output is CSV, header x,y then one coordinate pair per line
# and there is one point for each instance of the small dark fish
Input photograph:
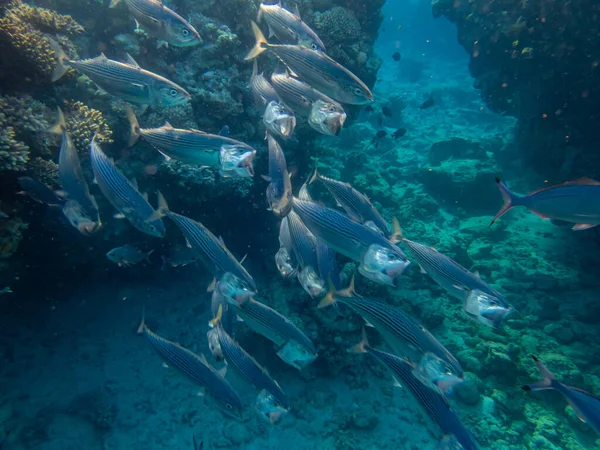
x,y
387,111
427,103
381,134
38,191
396,56
399,133
586,405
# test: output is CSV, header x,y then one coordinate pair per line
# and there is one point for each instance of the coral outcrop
x,y
83,123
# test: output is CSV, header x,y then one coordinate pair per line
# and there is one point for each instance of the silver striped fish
x,y
293,346
404,334
289,27
197,368
454,278
285,258
162,23
82,206
123,195
278,118
433,405
325,115
211,250
231,157
357,205
279,191
128,81
244,364
304,242
340,232
317,69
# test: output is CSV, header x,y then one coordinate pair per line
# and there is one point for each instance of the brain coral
x,y
337,24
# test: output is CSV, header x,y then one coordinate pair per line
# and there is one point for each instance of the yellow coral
x,y
23,27
13,154
83,122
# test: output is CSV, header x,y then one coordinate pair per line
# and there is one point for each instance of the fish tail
x,y
362,346
62,60
147,258
261,43
349,291
217,319
162,210
547,378
315,175
61,124
509,198
329,298
396,231
134,124
142,328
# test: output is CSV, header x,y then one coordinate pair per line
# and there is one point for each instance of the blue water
x,y
74,372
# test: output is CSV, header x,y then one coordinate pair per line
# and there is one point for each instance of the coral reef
x,y
83,122
11,234
535,60
44,170
19,119
23,27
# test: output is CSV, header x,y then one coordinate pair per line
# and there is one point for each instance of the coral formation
x,y
44,170
83,122
13,154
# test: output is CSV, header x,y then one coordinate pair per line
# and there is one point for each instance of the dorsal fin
x,y
102,57
168,126
134,183
255,68
224,131
203,359
131,61
220,239
297,12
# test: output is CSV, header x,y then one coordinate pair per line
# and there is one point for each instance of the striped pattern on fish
x,y
450,275
279,191
404,334
340,232
123,195
248,368
304,242
433,404
262,90
299,95
357,205
211,250
198,370
271,324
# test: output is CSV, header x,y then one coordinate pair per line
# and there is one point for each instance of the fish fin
x,y
217,319
167,157
476,273
261,43
255,64
583,226
134,126
271,32
267,178
147,258
187,243
545,382
212,286
329,298
224,131
134,183
62,59
243,259
509,200
220,239
396,383
238,318
61,124
314,176
161,43
223,370
369,324
162,209
62,194
167,125
203,359
137,24
114,3
143,109
259,15
349,291
396,231
119,216
362,346
297,12
422,270
200,393
142,328
165,365
132,62
459,287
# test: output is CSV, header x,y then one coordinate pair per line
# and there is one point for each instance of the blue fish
x,y
586,405
433,404
576,202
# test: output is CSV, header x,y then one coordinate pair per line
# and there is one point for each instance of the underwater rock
x,y
455,148
468,391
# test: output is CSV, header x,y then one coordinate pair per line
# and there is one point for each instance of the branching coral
x,y
23,27
17,116
83,122
45,171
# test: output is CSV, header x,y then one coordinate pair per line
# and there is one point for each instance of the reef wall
x,y
537,60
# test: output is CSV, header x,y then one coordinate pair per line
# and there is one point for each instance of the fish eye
x,y
185,32
314,46
358,91
173,92
228,406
